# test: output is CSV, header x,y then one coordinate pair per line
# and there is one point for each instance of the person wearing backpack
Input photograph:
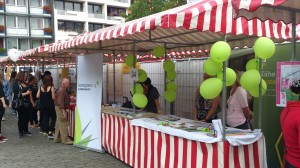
x,y
46,94
22,99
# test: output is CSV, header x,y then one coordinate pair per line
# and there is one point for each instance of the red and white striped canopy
x,y
186,28
275,10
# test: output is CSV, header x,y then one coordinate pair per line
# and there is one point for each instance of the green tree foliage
x,y
142,8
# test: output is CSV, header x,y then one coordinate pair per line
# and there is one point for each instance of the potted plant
x,y
47,9
2,52
48,31
2,28
1,5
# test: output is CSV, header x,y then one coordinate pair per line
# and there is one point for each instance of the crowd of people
x,y
37,104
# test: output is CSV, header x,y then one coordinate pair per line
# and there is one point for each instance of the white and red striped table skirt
x,y
71,118
140,147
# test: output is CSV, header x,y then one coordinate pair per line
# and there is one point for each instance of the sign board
x,y
191,1
134,74
88,110
126,68
287,72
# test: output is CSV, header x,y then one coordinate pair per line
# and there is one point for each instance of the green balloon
x,y
211,67
264,48
220,51
158,51
252,64
255,91
138,89
211,88
169,65
250,79
140,100
170,95
171,75
129,60
171,86
142,75
230,76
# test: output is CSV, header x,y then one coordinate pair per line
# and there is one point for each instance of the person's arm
x,y
3,102
38,93
242,98
215,104
28,93
195,105
53,93
158,106
31,100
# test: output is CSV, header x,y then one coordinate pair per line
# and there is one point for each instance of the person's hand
x,y
28,92
4,106
65,115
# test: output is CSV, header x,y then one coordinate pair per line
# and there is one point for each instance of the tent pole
x,y
43,65
260,97
224,96
114,75
134,63
165,79
293,57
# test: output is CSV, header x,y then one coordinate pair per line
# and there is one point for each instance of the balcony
x,y
17,31
38,11
122,1
96,15
70,13
16,9
116,18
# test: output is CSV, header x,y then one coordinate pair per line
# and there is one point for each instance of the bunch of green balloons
x,y
264,48
230,76
211,67
170,92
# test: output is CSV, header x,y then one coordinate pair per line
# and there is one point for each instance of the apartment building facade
x,y
72,18
25,24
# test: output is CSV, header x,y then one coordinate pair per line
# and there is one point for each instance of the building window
x,y
94,27
68,26
10,2
36,43
46,2
22,22
36,23
12,43
112,11
16,21
21,3
11,21
66,5
36,3
95,8
23,44
47,23
1,20
48,41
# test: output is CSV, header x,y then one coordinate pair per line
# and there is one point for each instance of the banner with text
x,y
89,91
287,72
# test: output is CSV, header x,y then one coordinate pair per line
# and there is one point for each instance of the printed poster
x,y
88,110
287,72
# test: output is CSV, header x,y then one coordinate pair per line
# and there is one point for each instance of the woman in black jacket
x,y
21,90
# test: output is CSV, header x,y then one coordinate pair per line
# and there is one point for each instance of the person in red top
x,y
290,125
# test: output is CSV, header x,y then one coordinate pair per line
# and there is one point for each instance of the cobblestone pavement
x,y
39,152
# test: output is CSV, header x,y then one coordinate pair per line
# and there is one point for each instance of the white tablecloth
x,y
153,124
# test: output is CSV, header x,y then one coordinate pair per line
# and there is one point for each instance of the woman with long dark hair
x,y
153,97
21,90
46,94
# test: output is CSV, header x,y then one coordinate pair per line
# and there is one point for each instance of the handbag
x,y
19,103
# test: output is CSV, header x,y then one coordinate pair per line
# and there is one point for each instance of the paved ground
x,y
38,151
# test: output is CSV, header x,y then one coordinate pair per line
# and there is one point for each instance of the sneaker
x,y
3,119
1,141
28,133
50,136
69,143
3,138
21,135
